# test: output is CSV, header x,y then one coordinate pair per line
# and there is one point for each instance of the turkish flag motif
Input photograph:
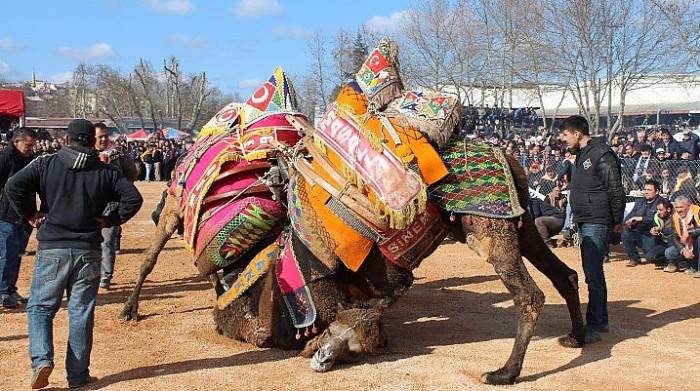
x,y
376,61
262,97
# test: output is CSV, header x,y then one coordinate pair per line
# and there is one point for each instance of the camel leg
x,y
565,279
167,225
528,298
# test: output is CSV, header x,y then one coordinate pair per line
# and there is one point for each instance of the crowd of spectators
x,y
155,158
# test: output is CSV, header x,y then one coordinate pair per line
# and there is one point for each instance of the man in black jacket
x,y
598,204
18,154
74,187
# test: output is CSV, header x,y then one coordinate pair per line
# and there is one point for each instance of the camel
x,y
350,303
350,310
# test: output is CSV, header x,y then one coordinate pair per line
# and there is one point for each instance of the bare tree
x,y
317,50
148,80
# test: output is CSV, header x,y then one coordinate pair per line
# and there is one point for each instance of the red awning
x,y
140,135
12,103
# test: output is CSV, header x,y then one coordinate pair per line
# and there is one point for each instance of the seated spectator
x,y
630,152
638,225
690,144
662,155
548,181
663,228
548,219
645,163
685,185
641,140
682,254
665,182
668,144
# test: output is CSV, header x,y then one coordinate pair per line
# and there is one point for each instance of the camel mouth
x,y
322,361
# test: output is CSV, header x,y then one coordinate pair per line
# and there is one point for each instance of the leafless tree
x,y
319,73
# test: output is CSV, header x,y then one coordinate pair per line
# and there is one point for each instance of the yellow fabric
x,y
432,168
694,210
206,132
351,247
348,97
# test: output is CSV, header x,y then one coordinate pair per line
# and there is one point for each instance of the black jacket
x,y
645,210
539,208
74,188
597,195
10,162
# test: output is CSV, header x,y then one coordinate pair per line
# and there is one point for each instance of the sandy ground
x,y
455,323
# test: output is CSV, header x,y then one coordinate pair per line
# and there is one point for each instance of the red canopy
x,y
140,135
12,103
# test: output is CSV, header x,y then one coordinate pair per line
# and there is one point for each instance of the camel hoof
x,y
130,312
500,377
568,341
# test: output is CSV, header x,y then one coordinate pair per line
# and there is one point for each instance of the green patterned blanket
x,y
479,182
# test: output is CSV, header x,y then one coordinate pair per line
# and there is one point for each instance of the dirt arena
x,y
455,323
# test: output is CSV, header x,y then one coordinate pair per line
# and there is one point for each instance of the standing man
x,y
13,158
74,188
598,204
110,154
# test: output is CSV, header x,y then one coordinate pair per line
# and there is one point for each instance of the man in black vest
x,y
598,205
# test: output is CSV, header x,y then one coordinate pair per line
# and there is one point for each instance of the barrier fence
x,y
676,177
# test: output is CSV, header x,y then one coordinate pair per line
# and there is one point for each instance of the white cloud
x,y
288,31
11,45
178,7
4,68
388,24
250,83
255,8
61,78
187,41
98,51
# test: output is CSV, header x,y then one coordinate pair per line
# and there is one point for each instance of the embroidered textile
x,y
479,183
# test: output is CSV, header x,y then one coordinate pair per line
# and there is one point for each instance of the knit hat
x,y
81,130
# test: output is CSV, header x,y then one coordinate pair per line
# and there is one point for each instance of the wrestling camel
x,y
260,322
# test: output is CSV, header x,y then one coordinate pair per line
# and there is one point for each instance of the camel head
x,y
354,332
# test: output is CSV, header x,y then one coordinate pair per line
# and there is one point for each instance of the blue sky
x,y
236,41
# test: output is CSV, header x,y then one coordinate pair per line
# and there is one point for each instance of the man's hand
x,y
101,222
633,220
37,220
687,253
655,231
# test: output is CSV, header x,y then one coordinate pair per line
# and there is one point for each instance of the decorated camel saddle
x,y
229,184
380,167
383,164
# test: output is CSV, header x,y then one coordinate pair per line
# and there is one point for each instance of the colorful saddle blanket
x,y
227,205
363,159
293,268
276,95
379,77
433,113
224,121
257,268
480,182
